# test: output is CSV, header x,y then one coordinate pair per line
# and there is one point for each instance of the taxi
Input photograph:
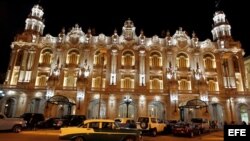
x,y
99,129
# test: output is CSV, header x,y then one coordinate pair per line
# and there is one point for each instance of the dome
x,y
128,24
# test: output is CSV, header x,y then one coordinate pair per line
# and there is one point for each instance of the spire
x,y
221,28
35,22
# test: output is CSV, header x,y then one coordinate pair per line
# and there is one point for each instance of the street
x,y
52,135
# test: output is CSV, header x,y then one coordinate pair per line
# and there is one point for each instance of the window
x,y
94,125
155,59
128,59
73,57
184,85
107,125
182,60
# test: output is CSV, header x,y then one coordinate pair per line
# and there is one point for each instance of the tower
x,y
221,27
34,22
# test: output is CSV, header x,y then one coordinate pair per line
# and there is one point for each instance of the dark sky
x,y
153,16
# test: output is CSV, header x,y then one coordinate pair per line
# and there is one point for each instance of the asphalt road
x,y
52,135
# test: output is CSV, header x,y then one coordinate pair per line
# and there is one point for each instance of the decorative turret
x,y
221,28
195,40
115,37
128,30
142,38
34,22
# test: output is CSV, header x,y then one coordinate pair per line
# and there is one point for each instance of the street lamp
x,y
1,94
127,100
82,82
80,95
174,98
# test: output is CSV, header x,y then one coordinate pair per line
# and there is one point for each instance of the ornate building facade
x,y
176,77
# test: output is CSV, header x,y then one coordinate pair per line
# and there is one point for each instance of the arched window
x,y
127,83
99,59
182,60
244,113
155,59
184,84
96,82
156,83
211,85
46,57
73,57
42,80
209,62
128,58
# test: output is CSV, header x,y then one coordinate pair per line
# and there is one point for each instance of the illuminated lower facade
x,y
176,77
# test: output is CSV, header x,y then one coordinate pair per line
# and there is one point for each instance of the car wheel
x,y
199,132
79,139
144,125
17,128
191,134
154,132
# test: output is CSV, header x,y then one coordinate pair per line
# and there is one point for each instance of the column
x,y
113,67
142,68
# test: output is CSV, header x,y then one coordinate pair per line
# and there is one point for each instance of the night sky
x,y
104,16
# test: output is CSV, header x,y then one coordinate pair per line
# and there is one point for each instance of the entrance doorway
x,y
190,109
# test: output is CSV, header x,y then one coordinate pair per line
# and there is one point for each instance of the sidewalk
x,y
214,136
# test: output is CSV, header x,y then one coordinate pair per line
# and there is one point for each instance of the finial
x,y
115,31
168,33
142,32
63,30
89,30
193,34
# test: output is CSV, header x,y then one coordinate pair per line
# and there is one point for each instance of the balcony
x,y
185,69
210,70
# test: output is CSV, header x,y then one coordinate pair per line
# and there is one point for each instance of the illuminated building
x,y
170,78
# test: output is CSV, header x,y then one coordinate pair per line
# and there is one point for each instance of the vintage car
x,y
99,130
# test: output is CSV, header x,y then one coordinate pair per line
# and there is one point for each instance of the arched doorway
x,y
9,107
34,106
243,113
190,109
93,109
127,109
59,106
156,109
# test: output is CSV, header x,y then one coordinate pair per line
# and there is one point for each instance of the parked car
x,y
69,120
150,125
14,124
202,124
99,130
183,128
169,126
32,119
126,122
48,123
